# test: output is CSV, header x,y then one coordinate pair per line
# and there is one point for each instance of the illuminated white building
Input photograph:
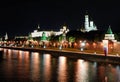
x,y
37,33
88,25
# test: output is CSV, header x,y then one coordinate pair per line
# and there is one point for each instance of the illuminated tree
x,y
30,37
117,37
71,39
60,38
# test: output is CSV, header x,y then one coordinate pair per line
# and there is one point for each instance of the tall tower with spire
x,y
38,28
109,35
86,23
6,36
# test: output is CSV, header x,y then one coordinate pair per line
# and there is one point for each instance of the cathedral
x,y
88,25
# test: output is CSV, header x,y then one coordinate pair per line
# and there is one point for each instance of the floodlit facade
x,y
88,25
37,33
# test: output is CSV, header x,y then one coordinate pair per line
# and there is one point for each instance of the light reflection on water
x,y
28,66
46,67
62,69
81,71
35,66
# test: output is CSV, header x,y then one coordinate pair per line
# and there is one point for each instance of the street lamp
x,y
60,47
82,45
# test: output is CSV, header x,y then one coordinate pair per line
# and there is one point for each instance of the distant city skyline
x,y
20,18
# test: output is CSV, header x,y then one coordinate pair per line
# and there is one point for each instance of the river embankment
x,y
73,54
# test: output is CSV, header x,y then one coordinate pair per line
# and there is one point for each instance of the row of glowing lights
x,y
82,43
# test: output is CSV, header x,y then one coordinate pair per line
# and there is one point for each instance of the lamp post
x,y
60,46
82,45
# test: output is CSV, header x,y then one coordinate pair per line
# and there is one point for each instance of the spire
x,y
6,36
38,28
109,31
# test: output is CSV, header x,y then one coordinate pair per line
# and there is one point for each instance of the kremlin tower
x,y
109,35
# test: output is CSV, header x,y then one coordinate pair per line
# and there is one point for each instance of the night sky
x,y
22,17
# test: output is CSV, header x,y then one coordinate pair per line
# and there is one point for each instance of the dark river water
x,y
25,66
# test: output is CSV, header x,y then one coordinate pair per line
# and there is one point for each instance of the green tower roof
x,y
43,36
109,31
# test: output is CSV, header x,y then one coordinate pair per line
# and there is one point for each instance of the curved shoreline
x,y
74,54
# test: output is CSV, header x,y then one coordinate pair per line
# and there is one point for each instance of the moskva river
x,y
26,66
